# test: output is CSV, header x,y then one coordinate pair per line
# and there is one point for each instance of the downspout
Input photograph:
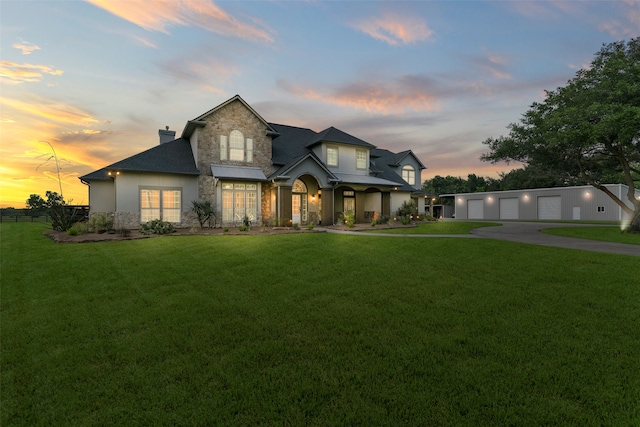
x,y
279,201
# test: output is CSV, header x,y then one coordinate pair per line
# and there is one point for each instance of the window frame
x,y
363,165
158,210
410,176
335,149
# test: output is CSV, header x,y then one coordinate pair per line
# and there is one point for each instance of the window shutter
x,y
223,147
249,150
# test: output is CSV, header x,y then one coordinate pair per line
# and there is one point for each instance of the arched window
x,y
409,174
299,186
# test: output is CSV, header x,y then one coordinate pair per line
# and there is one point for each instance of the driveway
x,y
529,232
526,232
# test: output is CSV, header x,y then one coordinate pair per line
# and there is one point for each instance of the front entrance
x,y
299,204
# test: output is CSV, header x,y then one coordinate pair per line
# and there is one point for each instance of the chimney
x,y
166,135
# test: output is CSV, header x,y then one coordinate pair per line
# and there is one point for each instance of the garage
x,y
475,209
549,207
509,208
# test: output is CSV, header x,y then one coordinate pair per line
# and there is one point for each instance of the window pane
x,y
252,205
332,156
409,175
171,205
227,206
361,159
236,146
149,205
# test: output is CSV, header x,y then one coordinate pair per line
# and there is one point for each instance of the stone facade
x,y
233,116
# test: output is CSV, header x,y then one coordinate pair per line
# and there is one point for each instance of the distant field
x,y
315,329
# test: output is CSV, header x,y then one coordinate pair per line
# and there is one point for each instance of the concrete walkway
x,y
525,232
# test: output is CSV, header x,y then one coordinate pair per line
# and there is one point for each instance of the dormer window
x,y
236,148
361,159
332,156
409,174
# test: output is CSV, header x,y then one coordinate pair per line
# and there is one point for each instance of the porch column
x,y
327,206
386,203
359,207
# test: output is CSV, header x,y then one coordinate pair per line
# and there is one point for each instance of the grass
x,y
315,329
439,227
607,234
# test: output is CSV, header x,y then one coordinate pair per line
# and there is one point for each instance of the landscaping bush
x,y
157,227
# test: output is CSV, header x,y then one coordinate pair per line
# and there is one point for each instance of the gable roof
x,y
393,159
199,121
332,134
171,157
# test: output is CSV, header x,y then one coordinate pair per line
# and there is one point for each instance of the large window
x,y
239,200
361,159
236,147
409,174
332,156
160,204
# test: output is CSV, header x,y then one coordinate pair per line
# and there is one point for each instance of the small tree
x,y
62,215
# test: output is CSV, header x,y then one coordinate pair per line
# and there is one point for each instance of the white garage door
x,y
475,209
509,208
549,207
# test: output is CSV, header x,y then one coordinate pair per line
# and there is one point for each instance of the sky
x,y
89,83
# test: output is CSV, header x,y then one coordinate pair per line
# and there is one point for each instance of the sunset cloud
x,y
495,64
406,93
203,14
50,110
14,73
394,29
26,47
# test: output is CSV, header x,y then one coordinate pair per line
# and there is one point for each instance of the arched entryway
x,y
306,196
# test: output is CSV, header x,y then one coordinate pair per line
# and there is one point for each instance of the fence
x,y
25,218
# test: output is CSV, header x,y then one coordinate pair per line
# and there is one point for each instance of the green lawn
x,y
607,234
315,329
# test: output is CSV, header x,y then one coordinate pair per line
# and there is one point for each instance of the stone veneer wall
x,y
131,220
234,116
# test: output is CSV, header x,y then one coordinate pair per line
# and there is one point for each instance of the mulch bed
x,y
63,237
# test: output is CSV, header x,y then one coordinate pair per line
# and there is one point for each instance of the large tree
x,y
588,130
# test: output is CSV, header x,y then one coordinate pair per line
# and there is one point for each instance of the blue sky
x,y
97,79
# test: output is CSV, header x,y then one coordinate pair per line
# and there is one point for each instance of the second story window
x,y
361,159
332,156
409,174
236,147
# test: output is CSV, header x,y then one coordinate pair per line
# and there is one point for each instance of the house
x,y
248,167
584,203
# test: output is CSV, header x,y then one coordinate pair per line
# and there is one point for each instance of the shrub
x,y
310,226
373,223
243,228
349,218
157,227
100,223
206,213
225,229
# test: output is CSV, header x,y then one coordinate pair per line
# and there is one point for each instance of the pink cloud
x,y
407,93
161,15
394,29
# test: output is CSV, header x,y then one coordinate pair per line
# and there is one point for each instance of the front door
x,y
295,209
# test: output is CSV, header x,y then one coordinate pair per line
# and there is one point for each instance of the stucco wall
x,y
587,202
102,196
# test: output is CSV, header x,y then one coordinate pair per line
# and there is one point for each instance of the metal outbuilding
x,y
584,203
